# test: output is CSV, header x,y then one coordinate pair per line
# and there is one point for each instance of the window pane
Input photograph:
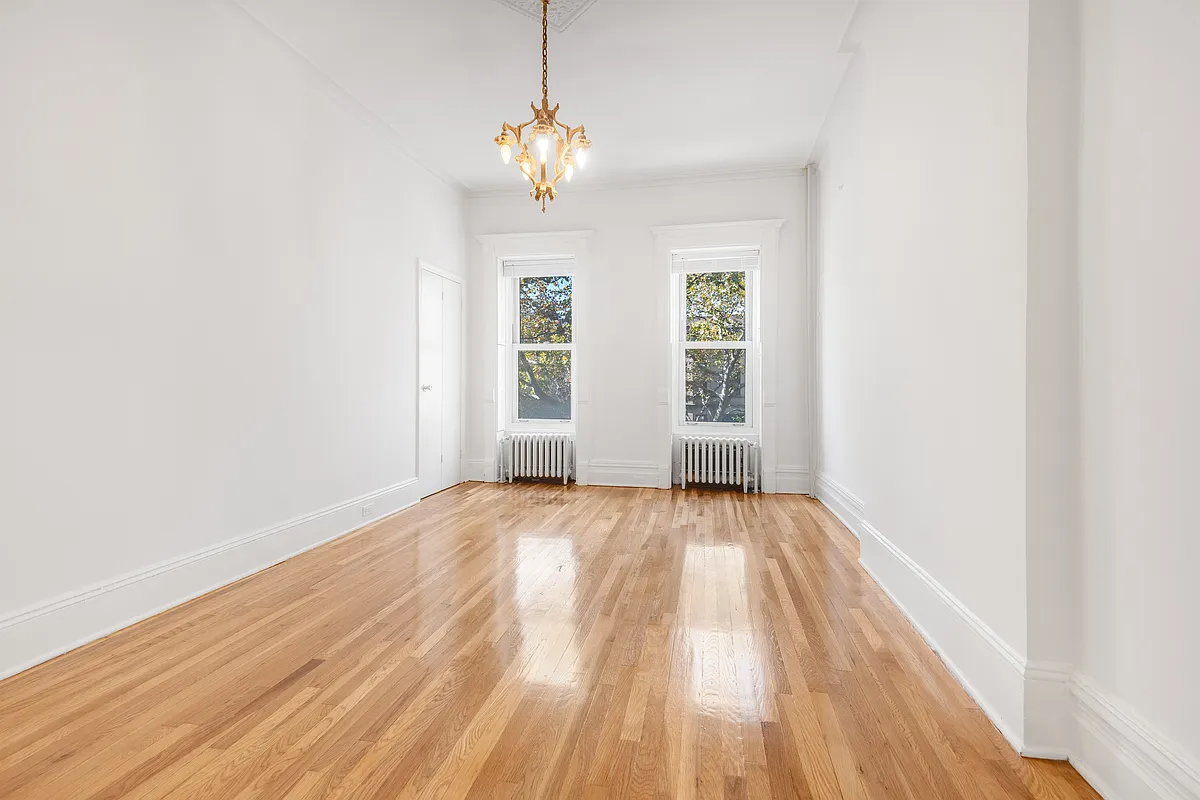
x,y
544,384
715,386
545,310
716,307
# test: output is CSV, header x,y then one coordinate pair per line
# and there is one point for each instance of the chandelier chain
x,y
545,51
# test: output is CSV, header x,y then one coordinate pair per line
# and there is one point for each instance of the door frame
x,y
433,269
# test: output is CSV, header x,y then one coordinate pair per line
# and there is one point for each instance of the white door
x,y
440,374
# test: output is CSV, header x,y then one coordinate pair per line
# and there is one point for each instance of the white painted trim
x,y
42,632
441,273
1049,724
990,669
792,480
1122,756
813,275
641,474
844,505
476,469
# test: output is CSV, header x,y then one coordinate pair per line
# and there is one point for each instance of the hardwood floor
x,y
527,641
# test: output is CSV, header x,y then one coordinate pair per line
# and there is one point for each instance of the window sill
x,y
723,432
540,427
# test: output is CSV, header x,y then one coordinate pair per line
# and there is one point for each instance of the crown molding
x,y
847,42
345,95
686,179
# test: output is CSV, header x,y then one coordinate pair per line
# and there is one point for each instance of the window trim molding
x,y
763,233
495,248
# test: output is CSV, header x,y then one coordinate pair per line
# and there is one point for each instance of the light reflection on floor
x,y
726,664
547,569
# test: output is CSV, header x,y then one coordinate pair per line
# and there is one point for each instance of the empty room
x,y
599,399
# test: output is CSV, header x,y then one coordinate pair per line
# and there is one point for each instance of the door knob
x,y
426,387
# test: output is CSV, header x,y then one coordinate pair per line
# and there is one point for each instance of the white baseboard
x,y
641,474
1049,719
792,480
1045,710
989,669
477,469
33,635
664,476
844,505
1122,757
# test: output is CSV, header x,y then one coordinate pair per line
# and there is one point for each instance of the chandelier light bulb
x,y
581,158
543,146
505,153
569,172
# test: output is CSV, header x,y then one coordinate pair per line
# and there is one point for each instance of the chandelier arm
x,y
520,130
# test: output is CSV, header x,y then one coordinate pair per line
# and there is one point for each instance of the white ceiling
x,y
561,12
666,87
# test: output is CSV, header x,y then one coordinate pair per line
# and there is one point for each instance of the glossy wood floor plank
x,y
526,642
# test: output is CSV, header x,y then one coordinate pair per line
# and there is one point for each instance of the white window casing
x,y
512,270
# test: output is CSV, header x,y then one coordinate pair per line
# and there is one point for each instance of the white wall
x,y
207,281
621,343
924,192
1140,343
1074,302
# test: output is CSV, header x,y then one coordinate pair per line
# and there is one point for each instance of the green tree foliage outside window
x,y
545,310
716,386
544,376
715,380
716,307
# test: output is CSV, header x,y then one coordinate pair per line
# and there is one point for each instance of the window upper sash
x,y
729,259
541,267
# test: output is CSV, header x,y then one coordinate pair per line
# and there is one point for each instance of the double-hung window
x,y
540,352
715,338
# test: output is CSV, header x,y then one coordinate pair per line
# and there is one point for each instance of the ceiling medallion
x,y
562,16
571,145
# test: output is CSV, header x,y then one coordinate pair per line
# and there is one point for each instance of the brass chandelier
x,y
571,145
